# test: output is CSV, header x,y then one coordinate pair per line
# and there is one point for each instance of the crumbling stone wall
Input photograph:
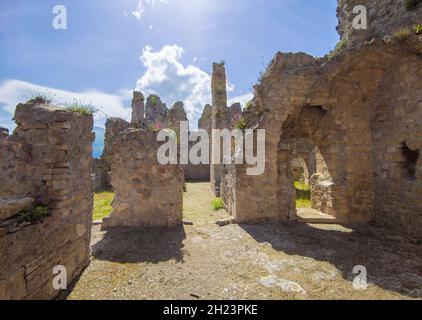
x,y
397,135
384,18
147,194
138,110
222,117
102,166
47,161
363,162
156,112
176,115
205,122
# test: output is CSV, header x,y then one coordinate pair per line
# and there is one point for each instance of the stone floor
x,y
272,261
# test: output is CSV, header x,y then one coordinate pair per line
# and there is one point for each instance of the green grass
x,y
402,34
341,45
418,29
303,195
102,204
241,124
34,215
217,204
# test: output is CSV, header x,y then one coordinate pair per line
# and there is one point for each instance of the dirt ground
x,y
271,261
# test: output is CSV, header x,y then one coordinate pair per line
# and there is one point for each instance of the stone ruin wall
x,y
384,18
152,116
372,97
397,124
147,194
222,117
47,161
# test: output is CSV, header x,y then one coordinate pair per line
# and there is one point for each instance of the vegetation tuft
x,y
402,34
418,29
241,124
341,45
34,215
217,204
39,97
82,108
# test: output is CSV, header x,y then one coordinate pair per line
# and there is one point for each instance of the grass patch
x,y
303,195
102,204
248,105
38,97
341,45
153,99
402,34
418,29
82,108
217,204
241,124
34,215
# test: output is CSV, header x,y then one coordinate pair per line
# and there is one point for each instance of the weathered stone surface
x,y
205,122
113,128
176,115
156,112
147,194
47,161
384,18
359,110
11,207
138,110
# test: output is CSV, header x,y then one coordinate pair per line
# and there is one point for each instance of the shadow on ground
x,y
134,245
392,262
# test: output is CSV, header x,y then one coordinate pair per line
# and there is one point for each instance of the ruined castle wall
x,y
147,194
397,124
47,161
113,127
384,18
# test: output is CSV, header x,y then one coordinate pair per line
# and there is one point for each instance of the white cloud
x,y
167,77
145,6
13,92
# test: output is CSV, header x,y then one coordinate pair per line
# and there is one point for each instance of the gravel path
x,y
273,261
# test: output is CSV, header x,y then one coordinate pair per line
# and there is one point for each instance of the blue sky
x,y
158,46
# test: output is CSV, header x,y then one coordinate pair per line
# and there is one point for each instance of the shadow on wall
x,y
391,265
135,245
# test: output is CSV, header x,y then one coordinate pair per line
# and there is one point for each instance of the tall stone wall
x,y
222,117
47,161
138,110
219,104
147,194
102,166
205,122
397,124
384,18
176,115
362,163
156,113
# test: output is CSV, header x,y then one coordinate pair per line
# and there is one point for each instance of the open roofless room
x,y
211,158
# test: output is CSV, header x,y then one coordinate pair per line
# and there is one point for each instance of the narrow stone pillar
x,y
219,105
138,109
